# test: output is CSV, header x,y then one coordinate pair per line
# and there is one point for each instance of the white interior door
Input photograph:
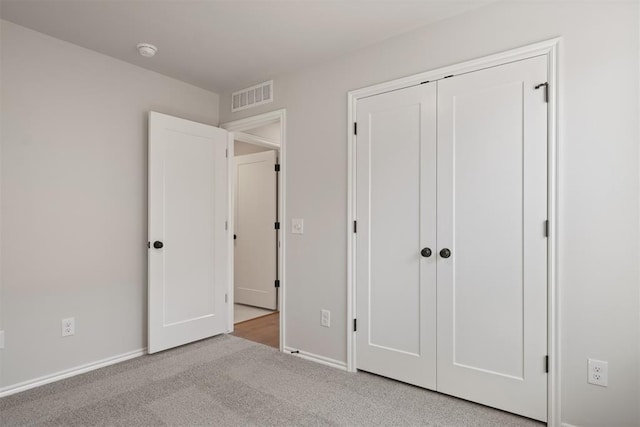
x,y
492,207
255,216
188,254
396,218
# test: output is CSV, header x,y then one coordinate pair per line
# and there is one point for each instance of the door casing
x,y
240,126
550,49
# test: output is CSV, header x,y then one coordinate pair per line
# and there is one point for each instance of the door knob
x,y
445,253
158,244
426,252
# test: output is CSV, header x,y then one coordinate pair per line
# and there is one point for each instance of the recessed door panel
x,y
188,233
395,216
488,284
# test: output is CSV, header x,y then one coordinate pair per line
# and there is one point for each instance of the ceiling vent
x,y
252,96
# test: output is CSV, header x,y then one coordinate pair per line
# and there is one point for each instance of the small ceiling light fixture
x,y
147,50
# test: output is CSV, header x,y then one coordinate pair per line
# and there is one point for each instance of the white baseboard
x,y
37,382
318,359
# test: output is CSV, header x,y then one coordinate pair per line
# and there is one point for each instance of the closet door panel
x,y
395,208
492,181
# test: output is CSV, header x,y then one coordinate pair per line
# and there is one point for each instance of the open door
x,y
188,240
255,236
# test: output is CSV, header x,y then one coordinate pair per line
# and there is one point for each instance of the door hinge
x,y
226,298
355,226
355,325
226,225
546,364
546,228
277,225
355,128
277,167
148,244
546,90
276,284
226,153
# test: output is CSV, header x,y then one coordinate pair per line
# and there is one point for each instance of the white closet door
x,y
255,244
395,209
492,207
188,254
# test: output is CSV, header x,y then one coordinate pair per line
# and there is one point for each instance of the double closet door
x,y
451,252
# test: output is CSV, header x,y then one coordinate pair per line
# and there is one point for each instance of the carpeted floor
x,y
228,381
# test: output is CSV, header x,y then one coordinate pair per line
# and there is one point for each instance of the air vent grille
x,y
252,96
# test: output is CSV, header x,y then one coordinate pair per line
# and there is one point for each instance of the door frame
x,y
548,48
237,128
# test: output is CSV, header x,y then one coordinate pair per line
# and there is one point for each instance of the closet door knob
x,y
445,253
426,252
158,244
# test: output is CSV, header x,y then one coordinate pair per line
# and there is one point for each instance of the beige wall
x,y
74,199
241,148
271,132
598,224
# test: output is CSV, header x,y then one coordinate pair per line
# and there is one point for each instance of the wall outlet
x,y
325,318
297,226
68,326
598,372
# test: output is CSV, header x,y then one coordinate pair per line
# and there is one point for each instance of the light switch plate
x,y
297,226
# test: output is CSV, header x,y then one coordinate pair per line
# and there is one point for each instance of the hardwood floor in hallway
x,y
263,330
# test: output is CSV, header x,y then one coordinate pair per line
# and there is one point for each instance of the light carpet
x,y
228,381
243,312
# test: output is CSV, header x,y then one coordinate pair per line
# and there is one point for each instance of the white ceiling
x,y
227,45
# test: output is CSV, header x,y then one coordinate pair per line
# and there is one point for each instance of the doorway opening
x,y
257,204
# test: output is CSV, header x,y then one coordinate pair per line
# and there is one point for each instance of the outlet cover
x,y
297,226
68,326
325,318
598,372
